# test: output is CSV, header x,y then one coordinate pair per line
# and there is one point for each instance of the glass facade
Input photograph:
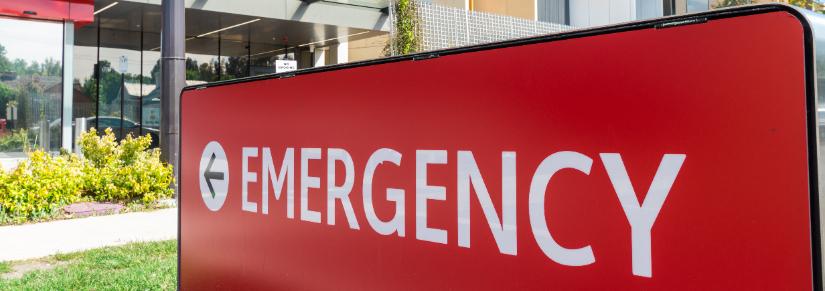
x,y
150,84
120,81
704,5
203,65
31,85
84,99
728,3
113,78
117,64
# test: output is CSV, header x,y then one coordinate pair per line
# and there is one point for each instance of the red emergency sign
x,y
665,155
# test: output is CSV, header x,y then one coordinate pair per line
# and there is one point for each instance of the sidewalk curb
x,y
29,241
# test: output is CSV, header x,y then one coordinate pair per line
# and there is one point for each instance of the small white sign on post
x,y
124,64
282,66
11,111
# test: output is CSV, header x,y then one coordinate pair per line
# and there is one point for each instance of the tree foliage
x,y
25,90
7,94
110,83
807,4
49,67
730,3
5,64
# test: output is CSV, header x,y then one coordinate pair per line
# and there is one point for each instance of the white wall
x,y
585,13
646,9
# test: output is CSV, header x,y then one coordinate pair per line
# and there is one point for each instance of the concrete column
x,y
68,83
173,79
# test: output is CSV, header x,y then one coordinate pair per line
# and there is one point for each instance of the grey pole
x,y
173,80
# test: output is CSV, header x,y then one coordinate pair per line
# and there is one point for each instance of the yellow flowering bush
x,y
109,171
123,171
39,186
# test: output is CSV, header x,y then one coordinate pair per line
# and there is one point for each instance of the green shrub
x,y
123,171
15,141
108,171
39,186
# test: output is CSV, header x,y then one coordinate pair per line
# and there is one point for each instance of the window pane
x,y
264,57
120,81
233,58
31,85
697,5
150,117
728,3
84,99
202,60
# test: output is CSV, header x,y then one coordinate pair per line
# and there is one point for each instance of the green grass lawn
x,y
138,266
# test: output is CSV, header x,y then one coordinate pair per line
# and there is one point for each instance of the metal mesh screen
x,y
440,27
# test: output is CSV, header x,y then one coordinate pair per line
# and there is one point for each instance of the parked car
x,y
112,122
129,126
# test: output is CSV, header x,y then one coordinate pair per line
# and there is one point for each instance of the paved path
x,y
9,161
21,242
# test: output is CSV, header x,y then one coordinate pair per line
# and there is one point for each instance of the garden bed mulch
x,y
90,208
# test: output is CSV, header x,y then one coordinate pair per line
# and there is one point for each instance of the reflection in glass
x,y
234,60
265,56
202,60
697,5
31,85
715,4
84,99
150,114
120,82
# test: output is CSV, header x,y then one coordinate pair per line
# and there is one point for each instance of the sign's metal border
x,y
816,183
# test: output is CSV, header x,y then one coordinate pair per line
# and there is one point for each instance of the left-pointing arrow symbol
x,y
208,175
213,179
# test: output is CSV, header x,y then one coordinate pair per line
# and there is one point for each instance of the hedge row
x,y
125,171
